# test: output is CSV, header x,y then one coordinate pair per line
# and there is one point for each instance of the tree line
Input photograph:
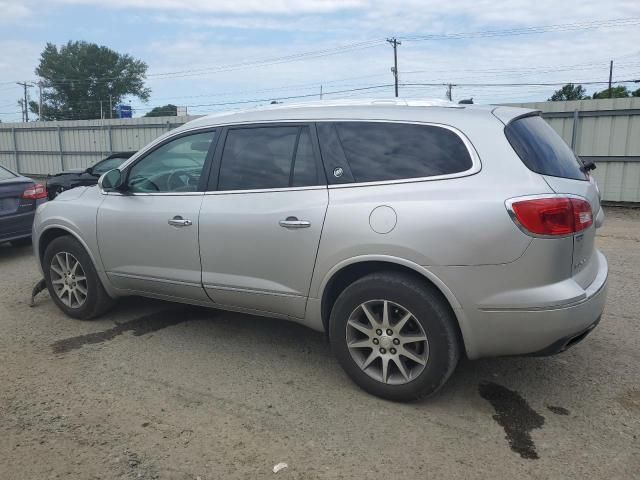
x,y
578,92
82,81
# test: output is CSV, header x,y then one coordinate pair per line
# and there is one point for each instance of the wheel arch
x,y
351,270
51,232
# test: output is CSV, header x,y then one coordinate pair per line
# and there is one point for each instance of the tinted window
x,y
176,166
267,157
105,165
393,151
542,150
305,172
6,174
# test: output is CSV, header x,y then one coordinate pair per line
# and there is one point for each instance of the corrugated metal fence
x,y
605,131
39,148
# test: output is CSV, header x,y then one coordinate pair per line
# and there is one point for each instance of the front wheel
x,y
394,336
72,279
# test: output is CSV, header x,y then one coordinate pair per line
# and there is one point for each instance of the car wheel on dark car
x,y
72,280
394,336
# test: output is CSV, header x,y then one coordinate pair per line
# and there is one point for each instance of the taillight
x,y
552,216
34,192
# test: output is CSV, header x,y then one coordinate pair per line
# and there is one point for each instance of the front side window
x,y
267,157
176,166
377,151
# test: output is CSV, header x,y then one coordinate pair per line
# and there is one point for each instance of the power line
x,y
563,27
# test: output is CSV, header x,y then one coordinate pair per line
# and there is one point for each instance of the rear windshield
x,y
542,150
6,174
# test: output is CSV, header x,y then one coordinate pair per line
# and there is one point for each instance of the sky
x,y
210,55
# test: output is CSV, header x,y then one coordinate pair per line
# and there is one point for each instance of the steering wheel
x,y
176,180
136,181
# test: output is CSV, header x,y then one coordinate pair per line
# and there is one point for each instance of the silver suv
x,y
410,232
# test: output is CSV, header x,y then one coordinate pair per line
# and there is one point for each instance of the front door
x,y
148,233
260,229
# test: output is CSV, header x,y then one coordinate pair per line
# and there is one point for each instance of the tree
x,y
636,93
569,92
616,92
164,111
80,78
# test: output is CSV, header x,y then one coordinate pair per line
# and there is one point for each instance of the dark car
x,y
58,183
19,197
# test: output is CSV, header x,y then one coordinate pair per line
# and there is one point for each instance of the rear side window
x,y
267,157
394,151
542,150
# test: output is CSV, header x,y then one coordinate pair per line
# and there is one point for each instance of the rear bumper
x,y
14,227
539,331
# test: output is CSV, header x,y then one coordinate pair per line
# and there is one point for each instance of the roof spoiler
x,y
508,114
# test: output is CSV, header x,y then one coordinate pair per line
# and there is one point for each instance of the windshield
x,y
542,150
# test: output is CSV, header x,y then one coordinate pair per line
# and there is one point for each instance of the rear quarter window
x,y
379,151
542,150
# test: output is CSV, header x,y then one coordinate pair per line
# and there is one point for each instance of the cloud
x,y
12,11
272,7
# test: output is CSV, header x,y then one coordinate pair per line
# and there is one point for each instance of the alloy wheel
x,y
387,342
68,279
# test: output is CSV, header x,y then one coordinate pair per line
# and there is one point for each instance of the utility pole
x,y
610,78
110,107
40,100
394,42
25,104
101,115
320,92
449,87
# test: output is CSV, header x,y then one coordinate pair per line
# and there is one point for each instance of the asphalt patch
x,y
151,322
515,415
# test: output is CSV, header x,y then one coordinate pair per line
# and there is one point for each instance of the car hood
x,y
72,171
72,194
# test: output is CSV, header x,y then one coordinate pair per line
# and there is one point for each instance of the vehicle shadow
x,y
273,340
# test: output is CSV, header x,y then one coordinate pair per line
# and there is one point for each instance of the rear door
x,y
261,222
543,151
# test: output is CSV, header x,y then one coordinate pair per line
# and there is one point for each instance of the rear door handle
x,y
293,222
178,221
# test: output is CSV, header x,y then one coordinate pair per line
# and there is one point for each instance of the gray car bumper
x,y
537,331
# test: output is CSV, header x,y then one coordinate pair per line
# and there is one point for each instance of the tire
x,y
96,300
425,314
21,242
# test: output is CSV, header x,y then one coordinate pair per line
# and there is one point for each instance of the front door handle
x,y
178,221
293,222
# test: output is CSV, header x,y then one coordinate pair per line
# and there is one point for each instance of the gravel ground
x,y
155,390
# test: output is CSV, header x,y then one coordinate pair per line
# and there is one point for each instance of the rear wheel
x,y
72,280
395,337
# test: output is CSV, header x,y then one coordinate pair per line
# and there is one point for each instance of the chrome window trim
x,y
509,205
476,164
265,190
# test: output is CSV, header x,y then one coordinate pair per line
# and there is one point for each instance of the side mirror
x,y
112,180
